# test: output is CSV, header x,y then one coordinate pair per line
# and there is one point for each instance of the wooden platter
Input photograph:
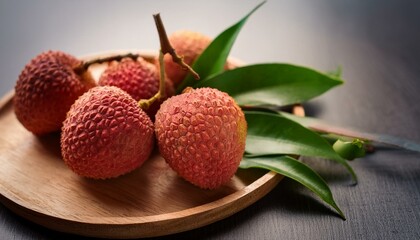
x,y
151,201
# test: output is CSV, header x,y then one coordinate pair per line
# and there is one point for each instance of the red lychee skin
x,y
106,134
187,44
201,134
45,90
138,78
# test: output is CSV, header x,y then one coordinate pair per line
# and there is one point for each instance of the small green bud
x,y
350,150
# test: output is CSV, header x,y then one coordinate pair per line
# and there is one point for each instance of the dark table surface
x,y
377,44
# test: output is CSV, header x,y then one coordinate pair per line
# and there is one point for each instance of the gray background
x,y
377,43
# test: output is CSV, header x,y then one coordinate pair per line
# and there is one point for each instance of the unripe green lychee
x,y
106,134
138,78
189,45
201,134
45,90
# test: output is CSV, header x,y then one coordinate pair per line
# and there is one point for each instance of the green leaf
x,y
213,58
271,84
295,170
273,134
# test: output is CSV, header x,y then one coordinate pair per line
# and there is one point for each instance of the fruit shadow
x,y
125,195
185,195
6,105
152,189
49,144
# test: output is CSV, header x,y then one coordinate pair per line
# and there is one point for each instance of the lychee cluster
x,y
105,129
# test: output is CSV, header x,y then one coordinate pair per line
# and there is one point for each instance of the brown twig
x,y
167,48
83,66
145,103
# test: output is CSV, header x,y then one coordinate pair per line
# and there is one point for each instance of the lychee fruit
x,y
189,45
106,134
45,90
138,78
201,134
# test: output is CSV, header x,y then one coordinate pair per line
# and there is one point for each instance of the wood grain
x,y
151,201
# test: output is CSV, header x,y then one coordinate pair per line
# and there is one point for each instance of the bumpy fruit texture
x,y
45,90
138,78
201,134
106,134
187,44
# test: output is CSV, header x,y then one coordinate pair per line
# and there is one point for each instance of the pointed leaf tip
x,y
213,59
298,171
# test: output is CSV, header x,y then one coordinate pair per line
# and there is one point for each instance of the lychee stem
x,y
83,66
167,48
145,103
